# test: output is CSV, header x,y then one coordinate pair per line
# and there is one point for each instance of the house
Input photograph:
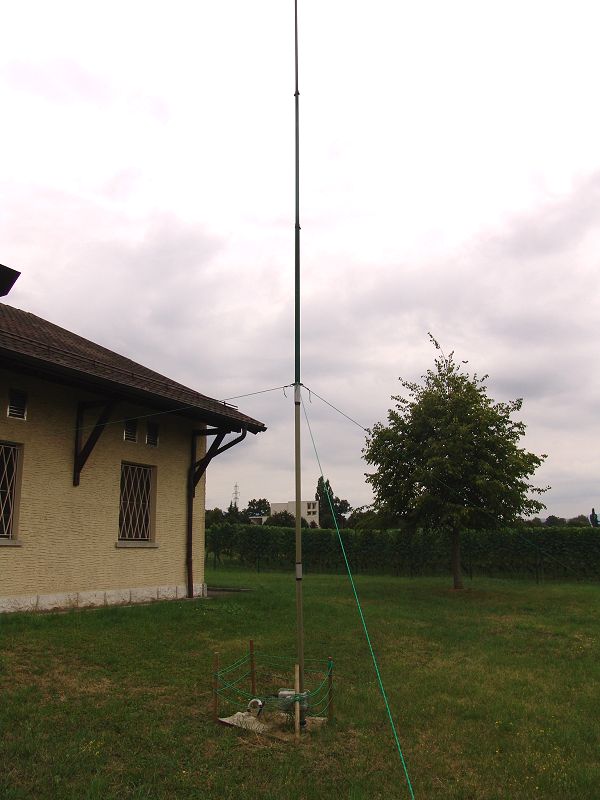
x,y
102,472
309,510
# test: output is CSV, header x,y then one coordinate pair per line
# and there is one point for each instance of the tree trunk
x,y
456,571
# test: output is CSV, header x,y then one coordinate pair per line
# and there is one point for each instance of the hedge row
x,y
570,553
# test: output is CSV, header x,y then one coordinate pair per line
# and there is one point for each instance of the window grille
x,y
135,513
152,434
130,430
9,454
17,404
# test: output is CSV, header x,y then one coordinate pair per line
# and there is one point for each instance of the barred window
x,y
9,461
136,507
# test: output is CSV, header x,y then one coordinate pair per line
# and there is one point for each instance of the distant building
x,y
309,510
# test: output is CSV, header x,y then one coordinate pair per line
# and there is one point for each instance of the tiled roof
x,y
36,343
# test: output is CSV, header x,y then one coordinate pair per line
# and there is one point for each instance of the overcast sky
x,y
450,182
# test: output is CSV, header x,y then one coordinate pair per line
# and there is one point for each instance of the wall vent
x,y
152,434
130,430
17,404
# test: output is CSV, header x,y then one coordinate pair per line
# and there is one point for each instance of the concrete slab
x,y
117,597
243,719
50,602
18,603
91,599
274,724
144,594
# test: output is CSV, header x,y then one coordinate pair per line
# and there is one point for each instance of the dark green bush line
x,y
571,553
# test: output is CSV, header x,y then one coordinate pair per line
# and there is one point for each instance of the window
x,y
152,434
17,404
130,430
136,512
9,463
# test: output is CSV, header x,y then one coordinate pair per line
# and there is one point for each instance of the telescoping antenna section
x,y
297,379
265,707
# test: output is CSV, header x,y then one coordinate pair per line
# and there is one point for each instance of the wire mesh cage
x,y
258,691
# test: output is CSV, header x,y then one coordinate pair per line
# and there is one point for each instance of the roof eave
x,y
27,363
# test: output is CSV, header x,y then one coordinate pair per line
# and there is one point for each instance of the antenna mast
x,y
297,383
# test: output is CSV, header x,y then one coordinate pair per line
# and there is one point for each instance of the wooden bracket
x,y
83,451
198,468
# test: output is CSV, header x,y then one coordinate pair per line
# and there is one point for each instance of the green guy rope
x,y
360,611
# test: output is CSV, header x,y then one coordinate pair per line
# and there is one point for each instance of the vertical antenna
x,y
297,384
297,232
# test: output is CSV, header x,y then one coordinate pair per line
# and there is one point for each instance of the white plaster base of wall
x,y
97,598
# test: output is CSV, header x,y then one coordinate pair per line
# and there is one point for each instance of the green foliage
x,y
234,514
366,518
213,516
567,553
449,457
340,507
555,522
258,508
284,519
580,521
221,540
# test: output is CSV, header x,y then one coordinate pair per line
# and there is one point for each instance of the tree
x,y
213,517
233,513
258,508
580,521
449,457
340,507
221,538
555,522
534,522
284,519
368,519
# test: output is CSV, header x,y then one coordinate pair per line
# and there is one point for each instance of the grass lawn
x,y
495,692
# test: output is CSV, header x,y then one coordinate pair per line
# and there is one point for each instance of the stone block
x,y
18,603
144,594
118,597
91,599
49,602
167,592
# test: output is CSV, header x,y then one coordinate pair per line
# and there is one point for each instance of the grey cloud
x,y
518,304
64,81
551,230
59,80
145,298
174,298
121,184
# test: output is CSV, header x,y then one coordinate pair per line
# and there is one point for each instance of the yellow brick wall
x,y
68,533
